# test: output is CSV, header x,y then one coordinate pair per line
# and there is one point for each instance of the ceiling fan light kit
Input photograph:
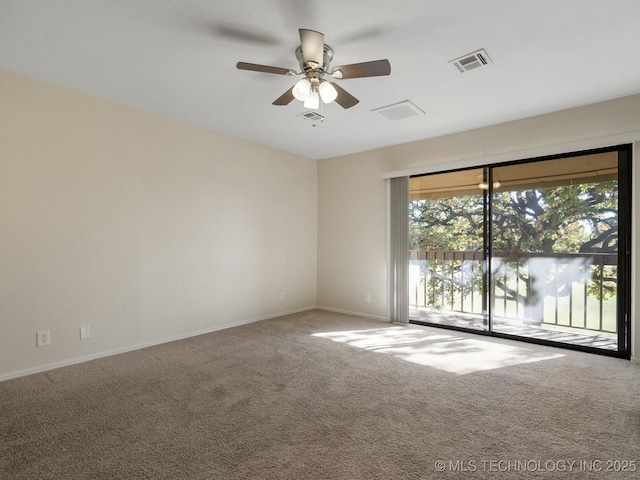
x,y
312,101
328,92
305,90
302,89
314,57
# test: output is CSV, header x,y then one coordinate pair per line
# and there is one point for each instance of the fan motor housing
x,y
328,56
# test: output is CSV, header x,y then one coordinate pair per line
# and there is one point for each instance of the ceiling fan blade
x,y
243,35
344,98
264,68
285,98
375,68
312,43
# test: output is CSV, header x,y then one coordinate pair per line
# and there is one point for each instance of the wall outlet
x,y
85,332
282,296
43,338
367,298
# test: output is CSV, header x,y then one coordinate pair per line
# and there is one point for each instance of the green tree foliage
x,y
563,219
453,223
579,218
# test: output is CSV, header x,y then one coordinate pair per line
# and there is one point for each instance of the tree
x,y
580,218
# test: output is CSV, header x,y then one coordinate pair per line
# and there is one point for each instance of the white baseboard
x,y
356,314
138,346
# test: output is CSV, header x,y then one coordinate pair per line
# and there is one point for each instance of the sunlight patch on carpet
x,y
444,351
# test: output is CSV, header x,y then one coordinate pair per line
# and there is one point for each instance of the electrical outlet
x,y
85,332
282,296
367,298
43,338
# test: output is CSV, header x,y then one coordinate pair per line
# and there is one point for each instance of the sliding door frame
x,y
623,292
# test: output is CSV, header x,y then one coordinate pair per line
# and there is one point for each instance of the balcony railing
x,y
575,290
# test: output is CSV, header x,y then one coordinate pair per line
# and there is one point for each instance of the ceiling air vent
x,y
312,116
398,111
315,117
470,61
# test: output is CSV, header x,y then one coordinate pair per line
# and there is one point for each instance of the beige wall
x,y
352,192
142,227
352,229
149,229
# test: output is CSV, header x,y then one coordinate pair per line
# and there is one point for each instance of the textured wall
x,y
143,227
352,197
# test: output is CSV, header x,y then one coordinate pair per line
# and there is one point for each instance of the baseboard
x,y
131,348
350,312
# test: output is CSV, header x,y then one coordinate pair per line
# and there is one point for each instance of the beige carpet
x,y
319,395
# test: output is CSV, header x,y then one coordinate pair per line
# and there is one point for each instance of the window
x,y
535,249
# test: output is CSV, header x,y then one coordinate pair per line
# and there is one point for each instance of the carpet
x,y
320,395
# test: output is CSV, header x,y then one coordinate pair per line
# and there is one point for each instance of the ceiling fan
x,y
314,57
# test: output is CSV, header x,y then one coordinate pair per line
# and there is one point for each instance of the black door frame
x,y
623,294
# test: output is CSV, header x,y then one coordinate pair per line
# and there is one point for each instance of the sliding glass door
x,y
533,249
446,235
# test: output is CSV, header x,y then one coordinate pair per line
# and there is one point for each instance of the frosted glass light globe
x,y
327,92
301,89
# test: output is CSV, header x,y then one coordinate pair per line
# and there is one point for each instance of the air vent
x,y
315,117
398,111
311,116
470,61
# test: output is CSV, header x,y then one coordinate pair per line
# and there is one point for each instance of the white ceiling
x,y
177,58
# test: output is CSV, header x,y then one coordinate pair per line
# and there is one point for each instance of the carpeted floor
x,y
319,395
